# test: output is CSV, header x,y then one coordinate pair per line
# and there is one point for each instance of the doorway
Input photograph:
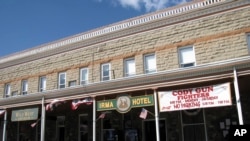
x,y
149,130
60,128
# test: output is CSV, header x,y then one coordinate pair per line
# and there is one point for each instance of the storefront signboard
x,y
124,103
24,114
193,98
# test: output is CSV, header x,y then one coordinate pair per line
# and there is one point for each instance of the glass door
x,y
149,130
60,128
193,126
83,127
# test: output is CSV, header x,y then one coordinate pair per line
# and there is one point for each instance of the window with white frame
x,y
84,75
62,80
7,91
105,74
186,56
149,63
24,87
248,42
129,67
42,84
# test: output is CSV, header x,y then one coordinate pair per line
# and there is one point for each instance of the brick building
x,y
187,66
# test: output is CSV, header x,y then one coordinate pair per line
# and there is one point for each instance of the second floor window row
x,y
186,59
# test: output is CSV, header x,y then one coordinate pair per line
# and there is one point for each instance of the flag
x,y
53,104
76,103
35,123
2,112
102,115
144,113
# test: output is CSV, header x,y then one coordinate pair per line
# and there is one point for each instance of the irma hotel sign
x,y
194,98
124,103
24,114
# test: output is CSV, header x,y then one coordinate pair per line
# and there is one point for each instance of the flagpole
x,y
237,95
94,119
4,126
156,117
42,120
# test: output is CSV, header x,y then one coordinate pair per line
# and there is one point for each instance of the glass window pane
x,y
105,72
129,67
24,87
84,76
248,41
62,80
187,55
42,83
150,63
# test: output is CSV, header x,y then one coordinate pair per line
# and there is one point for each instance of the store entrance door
x,y
149,130
60,128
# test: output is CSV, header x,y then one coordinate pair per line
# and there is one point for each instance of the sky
x,y
27,24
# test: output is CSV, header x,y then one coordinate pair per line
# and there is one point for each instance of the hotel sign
x,y
124,103
24,114
193,98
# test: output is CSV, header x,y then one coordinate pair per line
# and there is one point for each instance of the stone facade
x,y
215,38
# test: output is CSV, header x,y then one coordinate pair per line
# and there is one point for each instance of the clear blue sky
x,y
29,23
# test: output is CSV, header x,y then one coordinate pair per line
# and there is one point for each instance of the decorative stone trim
x,y
138,21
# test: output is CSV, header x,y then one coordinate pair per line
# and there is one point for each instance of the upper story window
x,y
24,87
186,56
72,83
105,73
42,83
149,63
129,67
84,75
248,42
62,80
15,93
7,90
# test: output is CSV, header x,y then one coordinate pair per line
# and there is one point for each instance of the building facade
x,y
179,74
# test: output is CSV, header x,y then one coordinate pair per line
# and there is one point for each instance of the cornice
x,y
197,74
132,26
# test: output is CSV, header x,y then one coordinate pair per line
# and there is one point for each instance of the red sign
x,y
193,98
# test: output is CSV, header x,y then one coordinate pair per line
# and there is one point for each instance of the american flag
x,y
53,104
102,115
35,123
77,102
144,113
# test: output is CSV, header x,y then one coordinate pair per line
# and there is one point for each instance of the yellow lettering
x,y
106,105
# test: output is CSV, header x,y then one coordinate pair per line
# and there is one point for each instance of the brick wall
x,y
214,38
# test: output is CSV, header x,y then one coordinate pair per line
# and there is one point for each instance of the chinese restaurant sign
x,y
192,98
124,103
24,114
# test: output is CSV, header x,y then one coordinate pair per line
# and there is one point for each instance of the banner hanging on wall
x,y
193,98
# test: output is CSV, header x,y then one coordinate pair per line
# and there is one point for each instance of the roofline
x,y
136,21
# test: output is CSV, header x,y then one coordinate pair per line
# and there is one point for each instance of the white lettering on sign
x,y
240,132
192,98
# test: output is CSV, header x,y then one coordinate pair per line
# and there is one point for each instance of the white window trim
x,y
59,78
24,88
248,42
7,90
180,57
87,79
146,71
126,74
42,89
109,71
